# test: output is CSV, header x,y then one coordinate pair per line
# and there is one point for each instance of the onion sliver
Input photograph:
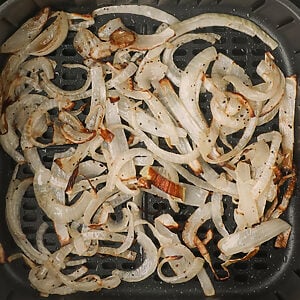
x,y
215,19
51,38
247,239
143,10
148,265
26,33
199,217
15,194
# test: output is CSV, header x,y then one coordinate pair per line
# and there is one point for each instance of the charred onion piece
x,y
171,188
122,38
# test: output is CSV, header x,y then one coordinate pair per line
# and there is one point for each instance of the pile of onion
x,y
139,100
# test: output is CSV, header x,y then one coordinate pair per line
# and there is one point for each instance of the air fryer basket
x,y
272,274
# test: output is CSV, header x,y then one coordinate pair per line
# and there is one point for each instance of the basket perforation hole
x,y
108,243
26,170
29,230
69,52
241,278
109,265
180,52
48,242
29,217
29,194
29,206
68,76
91,265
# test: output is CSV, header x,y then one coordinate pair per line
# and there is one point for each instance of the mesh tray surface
x,y
272,274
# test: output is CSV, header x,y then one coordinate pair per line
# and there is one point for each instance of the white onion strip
x,y
247,239
147,11
231,21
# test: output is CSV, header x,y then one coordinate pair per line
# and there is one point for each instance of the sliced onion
x,y
270,73
143,10
190,83
148,265
105,31
172,188
217,211
51,38
26,33
286,114
14,196
247,239
97,106
88,21
247,206
127,254
55,210
216,19
185,276
199,217
147,42
223,66
174,73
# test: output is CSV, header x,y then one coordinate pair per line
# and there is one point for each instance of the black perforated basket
x,y
272,274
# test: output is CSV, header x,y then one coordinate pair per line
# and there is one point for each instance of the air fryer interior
x,y
272,274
